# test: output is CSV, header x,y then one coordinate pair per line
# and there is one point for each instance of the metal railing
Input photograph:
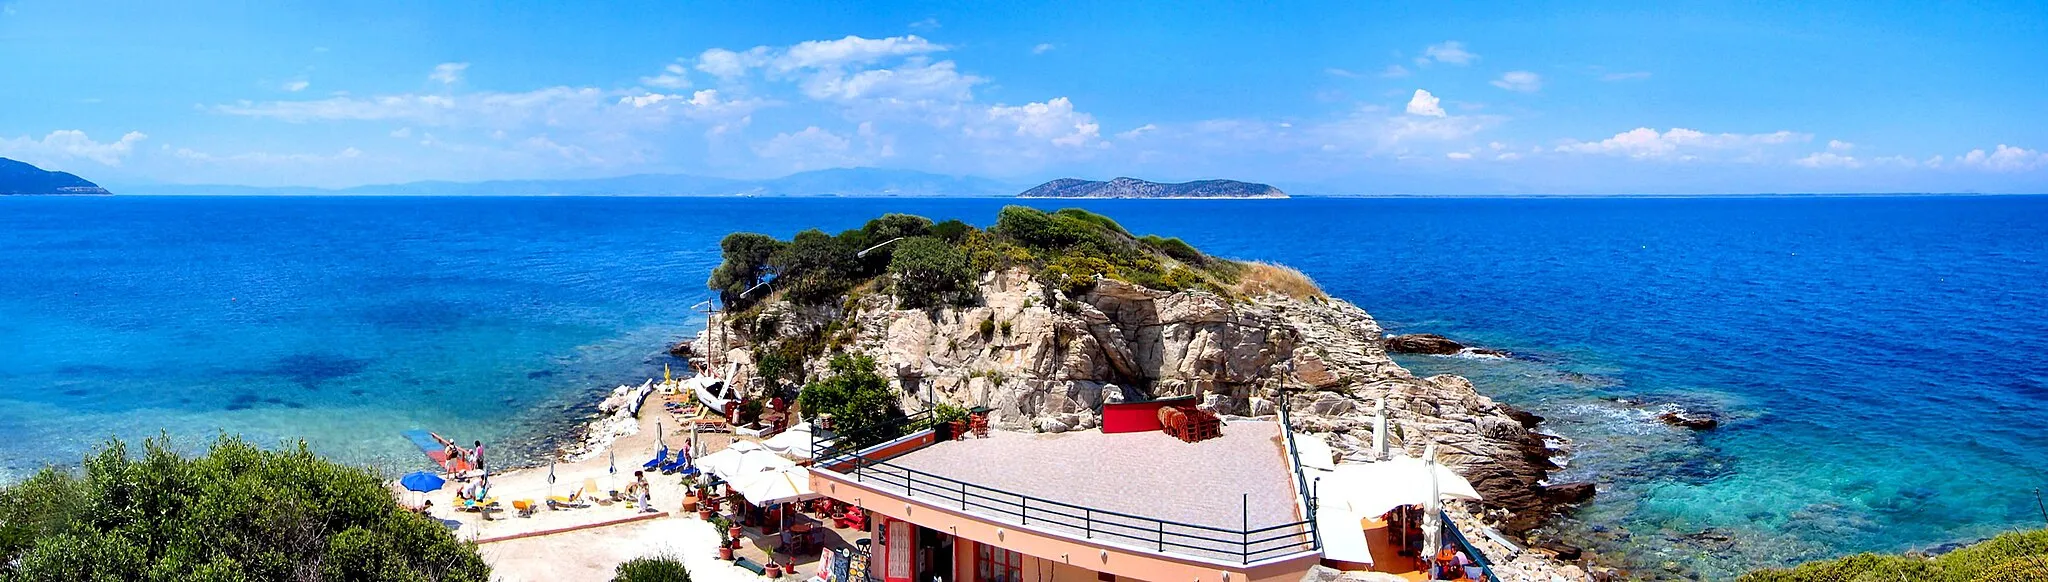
x,y
1244,545
1478,557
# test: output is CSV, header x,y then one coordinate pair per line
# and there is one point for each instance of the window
x,y
993,564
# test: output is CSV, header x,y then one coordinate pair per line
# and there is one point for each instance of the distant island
x,y
22,179
1135,188
850,182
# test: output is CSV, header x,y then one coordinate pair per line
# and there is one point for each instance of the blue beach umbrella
x,y
422,482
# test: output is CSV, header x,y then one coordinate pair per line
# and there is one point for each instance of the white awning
x,y
795,443
1373,489
785,485
1314,452
741,460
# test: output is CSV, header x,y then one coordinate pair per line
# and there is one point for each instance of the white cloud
x,y
574,108
1054,121
1336,72
915,81
448,73
1458,156
68,145
296,86
1521,81
263,158
1425,104
402,133
726,64
1450,51
1836,145
1630,76
1508,157
926,24
812,148
1138,131
1828,160
1678,143
2004,159
851,50
672,77
1042,48
1394,72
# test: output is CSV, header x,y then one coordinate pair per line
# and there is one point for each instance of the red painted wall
x,y
1138,416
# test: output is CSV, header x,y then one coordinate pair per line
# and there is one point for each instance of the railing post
x,y
1244,533
1162,535
1023,510
963,496
1088,523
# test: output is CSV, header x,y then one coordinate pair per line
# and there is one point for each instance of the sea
x,y
1877,362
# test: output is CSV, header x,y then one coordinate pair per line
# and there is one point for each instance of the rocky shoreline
x,y
1045,361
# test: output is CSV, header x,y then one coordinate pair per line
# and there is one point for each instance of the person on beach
x,y
477,457
639,489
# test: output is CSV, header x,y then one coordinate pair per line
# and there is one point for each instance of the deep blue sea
x,y
1879,361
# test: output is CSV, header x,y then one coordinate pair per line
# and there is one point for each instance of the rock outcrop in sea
x,y
1047,361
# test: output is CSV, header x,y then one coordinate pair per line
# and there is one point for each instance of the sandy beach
x,y
588,543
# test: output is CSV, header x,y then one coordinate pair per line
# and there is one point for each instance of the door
x,y
899,544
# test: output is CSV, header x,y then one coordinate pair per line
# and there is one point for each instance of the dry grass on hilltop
x,y
1262,278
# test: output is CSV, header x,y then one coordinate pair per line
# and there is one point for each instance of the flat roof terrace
x,y
1230,498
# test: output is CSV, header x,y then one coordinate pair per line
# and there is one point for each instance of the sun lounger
x,y
523,506
660,458
681,461
578,498
751,566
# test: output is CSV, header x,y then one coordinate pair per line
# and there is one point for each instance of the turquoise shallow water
x,y
1878,359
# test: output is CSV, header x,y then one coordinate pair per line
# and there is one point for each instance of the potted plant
x,y
772,569
949,422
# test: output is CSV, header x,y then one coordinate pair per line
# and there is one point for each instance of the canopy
x,y
795,443
1373,489
782,485
741,460
1314,452
422,482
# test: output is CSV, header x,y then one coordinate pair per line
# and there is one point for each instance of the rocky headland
x,y
1045,351
23,179
1135,188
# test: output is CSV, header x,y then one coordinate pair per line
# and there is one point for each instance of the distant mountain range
x,y
835,182
22,179
1135,188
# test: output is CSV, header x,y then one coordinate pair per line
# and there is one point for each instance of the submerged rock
x,y
1695,421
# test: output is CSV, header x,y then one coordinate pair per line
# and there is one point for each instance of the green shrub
x,y
746,264
2009,557
236,513
663,569
987,329
863,408
952,231
1097,220
814,267
929,273
1075,273
1006,328
1180,250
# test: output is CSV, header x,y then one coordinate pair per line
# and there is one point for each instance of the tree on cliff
x,y
814,267
746,264
863,410
235,513
927,272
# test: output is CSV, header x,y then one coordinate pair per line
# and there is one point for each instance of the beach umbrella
x,y
1379,430
551,478
612,468
422,482
1432,516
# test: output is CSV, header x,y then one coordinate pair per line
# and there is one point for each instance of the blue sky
x,y
1331,98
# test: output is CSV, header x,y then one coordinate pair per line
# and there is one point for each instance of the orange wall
x,y
1069,560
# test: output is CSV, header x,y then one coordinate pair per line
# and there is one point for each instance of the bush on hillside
x,y
2009,557
952,231
927,272
746,265
663,569
814,268
236,513
863,408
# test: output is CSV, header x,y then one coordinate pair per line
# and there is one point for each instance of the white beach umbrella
x,y
1314,452
740,460
784,485
1379,430
1373,489
1432,516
